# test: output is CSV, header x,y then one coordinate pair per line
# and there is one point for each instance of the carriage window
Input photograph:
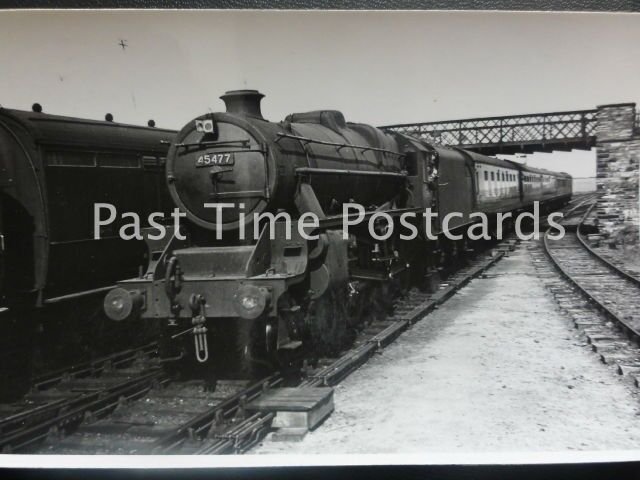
x,y
116,160
70,159
486,175
492,176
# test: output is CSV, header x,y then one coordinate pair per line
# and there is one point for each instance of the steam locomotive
x,y
243,306
52,171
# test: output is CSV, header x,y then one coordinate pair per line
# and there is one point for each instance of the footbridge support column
x,y
618,147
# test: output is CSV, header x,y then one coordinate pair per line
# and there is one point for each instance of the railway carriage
x,y
53,169
258,303
504,185
498,184
549,188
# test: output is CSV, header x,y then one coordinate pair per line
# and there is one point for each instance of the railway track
x,y
609,288
63,399
602,299
166,416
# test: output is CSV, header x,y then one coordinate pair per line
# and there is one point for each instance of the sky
x,y
376,67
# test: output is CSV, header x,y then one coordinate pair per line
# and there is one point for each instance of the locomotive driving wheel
x,y
368,303
327,320
253,357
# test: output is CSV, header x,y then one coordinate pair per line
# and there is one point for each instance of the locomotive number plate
x,y
211,159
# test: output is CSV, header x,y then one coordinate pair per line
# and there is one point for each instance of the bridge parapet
x,y
512,133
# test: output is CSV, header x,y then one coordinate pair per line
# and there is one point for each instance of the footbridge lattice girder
x,y
510,134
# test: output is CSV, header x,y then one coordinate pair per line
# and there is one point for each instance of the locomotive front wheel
x,y
251,356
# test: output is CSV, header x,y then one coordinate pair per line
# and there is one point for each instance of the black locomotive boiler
x,y
53,169
233,302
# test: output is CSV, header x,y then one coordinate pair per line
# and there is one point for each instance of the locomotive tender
x,y
235,303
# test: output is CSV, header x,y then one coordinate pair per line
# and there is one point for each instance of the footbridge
x,y
614,129
512,133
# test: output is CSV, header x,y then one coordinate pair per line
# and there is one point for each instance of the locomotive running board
x,y
338,171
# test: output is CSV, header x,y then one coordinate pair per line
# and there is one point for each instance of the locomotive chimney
x,y
244,102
